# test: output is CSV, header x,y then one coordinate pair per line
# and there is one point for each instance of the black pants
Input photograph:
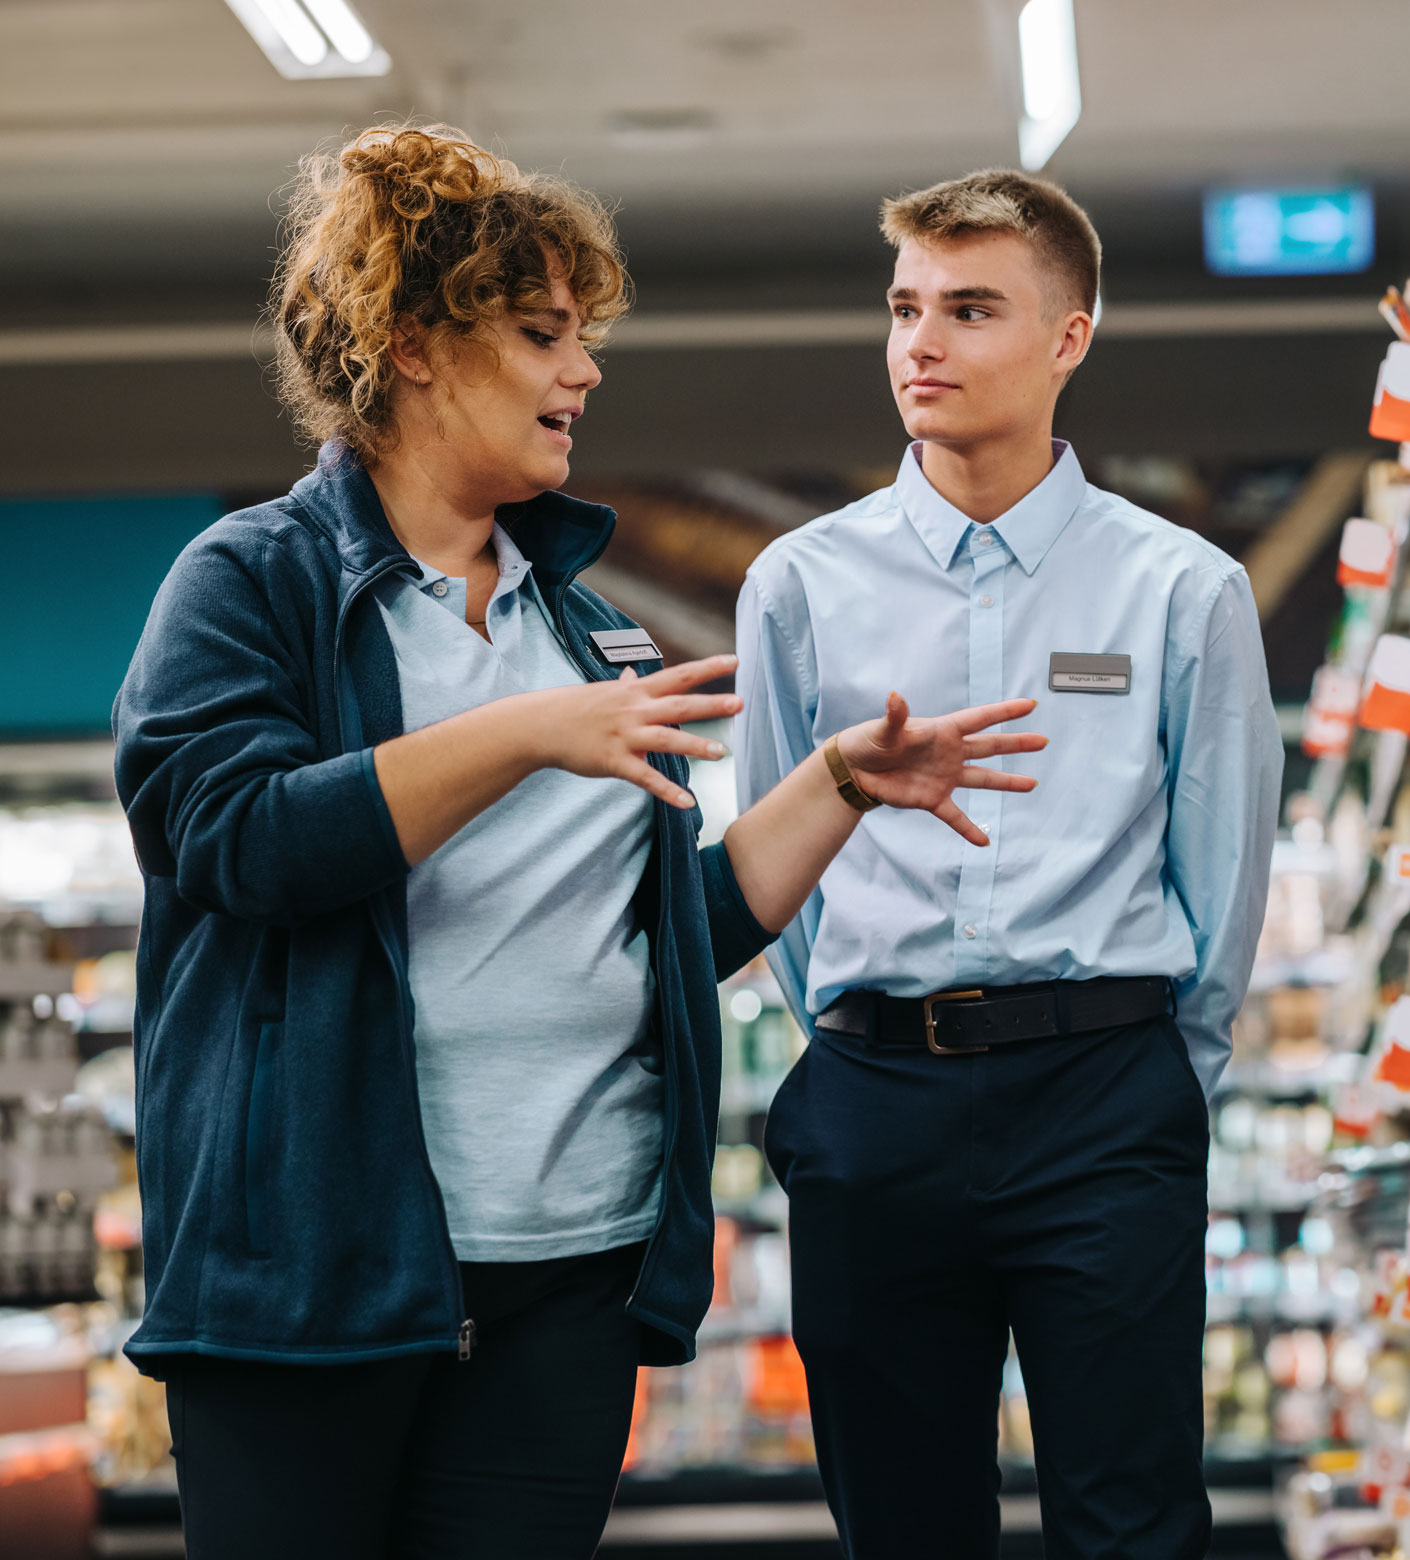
x,y
1055,1188
514,1455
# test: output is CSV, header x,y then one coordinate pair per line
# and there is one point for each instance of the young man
x,y
1001,1121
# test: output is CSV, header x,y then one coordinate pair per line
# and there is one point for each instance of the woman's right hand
x,y
606,729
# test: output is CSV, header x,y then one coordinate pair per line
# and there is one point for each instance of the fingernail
x,y
717,750
729,660
684,799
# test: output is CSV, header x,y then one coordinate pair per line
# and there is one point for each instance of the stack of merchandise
x,y
1351,1494
55,1152
54,1162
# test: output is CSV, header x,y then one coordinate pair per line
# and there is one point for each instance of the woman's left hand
x,y
920,763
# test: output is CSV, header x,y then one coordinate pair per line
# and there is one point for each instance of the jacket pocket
x,y
259,1138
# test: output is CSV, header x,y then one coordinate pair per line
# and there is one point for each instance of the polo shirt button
x,y
986,601
971,931
439,588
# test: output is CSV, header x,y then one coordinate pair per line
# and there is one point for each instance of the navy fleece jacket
x,y
289,1209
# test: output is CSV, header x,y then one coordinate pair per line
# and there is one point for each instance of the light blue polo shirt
x,y
539,1072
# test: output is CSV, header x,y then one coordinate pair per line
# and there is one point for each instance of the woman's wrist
x,y
839,753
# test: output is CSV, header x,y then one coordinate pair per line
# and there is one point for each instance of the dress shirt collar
x,y
1028,530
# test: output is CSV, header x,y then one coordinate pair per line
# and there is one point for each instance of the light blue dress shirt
x,y
1145,849
541,1081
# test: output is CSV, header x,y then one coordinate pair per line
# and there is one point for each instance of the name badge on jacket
x,y
619,645
1089,673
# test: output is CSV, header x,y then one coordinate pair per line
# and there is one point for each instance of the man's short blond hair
x,y
1002,200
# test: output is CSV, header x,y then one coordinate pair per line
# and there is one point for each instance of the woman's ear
x,y
407,350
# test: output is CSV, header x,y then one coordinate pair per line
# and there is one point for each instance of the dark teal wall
x,y
78,578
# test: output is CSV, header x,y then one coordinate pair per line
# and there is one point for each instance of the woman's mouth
x,y
558,424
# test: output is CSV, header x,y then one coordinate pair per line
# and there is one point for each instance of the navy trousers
x,y
1054,1188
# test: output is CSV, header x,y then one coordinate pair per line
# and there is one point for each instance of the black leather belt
x,y
954,1023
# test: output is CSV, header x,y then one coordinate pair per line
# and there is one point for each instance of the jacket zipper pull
x,y
467,1338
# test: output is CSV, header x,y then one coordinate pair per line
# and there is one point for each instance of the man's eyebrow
x,y
950,295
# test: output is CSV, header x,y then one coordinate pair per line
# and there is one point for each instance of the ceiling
x,y
143,145
143,141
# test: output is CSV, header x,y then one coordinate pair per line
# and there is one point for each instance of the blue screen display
x,y
1306,232
80,574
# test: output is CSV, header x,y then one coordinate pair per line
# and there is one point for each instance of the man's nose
x,y
925,343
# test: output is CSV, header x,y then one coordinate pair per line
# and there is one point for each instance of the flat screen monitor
x,y
1289,232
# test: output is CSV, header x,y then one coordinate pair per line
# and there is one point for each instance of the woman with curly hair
x,y
428,1034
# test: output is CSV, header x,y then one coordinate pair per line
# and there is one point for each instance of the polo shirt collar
x,y
515,573
1028,530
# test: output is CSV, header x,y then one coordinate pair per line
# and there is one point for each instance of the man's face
x,y
977,349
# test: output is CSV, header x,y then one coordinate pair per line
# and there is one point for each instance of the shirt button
x,y
986,539
971,931
986,601
439,588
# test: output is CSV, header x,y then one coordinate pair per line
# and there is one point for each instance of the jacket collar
x,y
558,535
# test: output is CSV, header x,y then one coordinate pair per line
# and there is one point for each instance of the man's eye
x,y
903,311
969,314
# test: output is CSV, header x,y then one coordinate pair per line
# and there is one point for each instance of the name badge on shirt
x,y
619,645
1089,673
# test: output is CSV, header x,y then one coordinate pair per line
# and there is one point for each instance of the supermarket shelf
x,y
1266,1080
19,982
743,1523
757,1508
1247,1199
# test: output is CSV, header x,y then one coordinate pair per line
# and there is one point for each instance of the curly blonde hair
x,y
417,223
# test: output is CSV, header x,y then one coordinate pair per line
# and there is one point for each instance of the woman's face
x,y
511,427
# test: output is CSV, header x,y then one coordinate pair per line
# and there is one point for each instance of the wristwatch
x,y
847,787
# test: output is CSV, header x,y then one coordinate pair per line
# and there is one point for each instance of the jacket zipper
x,y
591,670
465,1332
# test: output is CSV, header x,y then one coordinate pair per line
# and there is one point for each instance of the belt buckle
x,y
928,1004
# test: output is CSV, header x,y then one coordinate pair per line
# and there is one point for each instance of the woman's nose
x,y
586,375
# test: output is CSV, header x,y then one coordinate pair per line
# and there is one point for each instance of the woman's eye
x,y
540,338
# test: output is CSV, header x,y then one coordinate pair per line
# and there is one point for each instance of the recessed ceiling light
x,y
308,38
1052,92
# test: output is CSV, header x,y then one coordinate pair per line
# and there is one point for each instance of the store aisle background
x,y
143,144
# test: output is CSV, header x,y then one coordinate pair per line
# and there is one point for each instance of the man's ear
x,y
1076,340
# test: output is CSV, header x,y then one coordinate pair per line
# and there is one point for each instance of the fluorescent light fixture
x,y
310,38
345,32
1052,93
